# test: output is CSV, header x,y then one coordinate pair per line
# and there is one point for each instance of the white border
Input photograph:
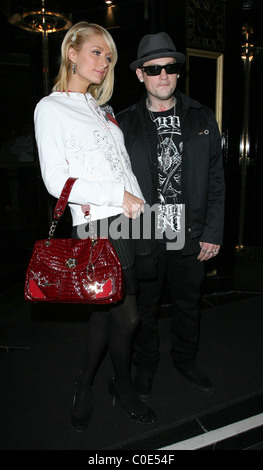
x,y
212,437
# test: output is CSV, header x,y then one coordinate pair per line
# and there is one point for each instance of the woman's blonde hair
x,y
76,36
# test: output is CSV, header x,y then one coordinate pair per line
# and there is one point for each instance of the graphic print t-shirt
x,y
169,170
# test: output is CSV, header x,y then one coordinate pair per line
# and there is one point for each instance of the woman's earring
x,y
74,68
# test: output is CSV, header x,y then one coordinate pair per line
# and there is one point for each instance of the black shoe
x,y
146,416
82,406
143,384
196,377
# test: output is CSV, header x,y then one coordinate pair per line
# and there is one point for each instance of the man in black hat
x,y
175,149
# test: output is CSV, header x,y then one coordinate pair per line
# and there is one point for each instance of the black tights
x,y
114,328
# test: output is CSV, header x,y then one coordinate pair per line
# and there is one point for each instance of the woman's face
x,y
92,61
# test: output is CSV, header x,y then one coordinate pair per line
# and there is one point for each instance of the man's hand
x,y
208,251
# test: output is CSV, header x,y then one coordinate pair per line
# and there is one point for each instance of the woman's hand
x,y
133,206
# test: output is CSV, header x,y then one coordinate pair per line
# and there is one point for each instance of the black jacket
x,y
203,185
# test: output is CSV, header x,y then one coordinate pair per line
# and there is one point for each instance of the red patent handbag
x,y
72,270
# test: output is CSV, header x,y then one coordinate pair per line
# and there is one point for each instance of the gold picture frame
x,y
204,79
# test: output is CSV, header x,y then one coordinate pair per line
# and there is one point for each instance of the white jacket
x,y
76,138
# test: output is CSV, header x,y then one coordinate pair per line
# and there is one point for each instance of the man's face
x,y
160,86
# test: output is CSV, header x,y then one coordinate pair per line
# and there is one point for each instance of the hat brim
x,y
180,58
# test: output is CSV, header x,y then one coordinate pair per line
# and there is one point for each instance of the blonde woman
x,y
77,136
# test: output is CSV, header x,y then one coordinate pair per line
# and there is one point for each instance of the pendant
x,y
166,157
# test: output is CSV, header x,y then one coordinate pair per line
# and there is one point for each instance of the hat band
x,y
157,51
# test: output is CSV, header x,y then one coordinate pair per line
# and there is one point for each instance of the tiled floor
x,y
232,420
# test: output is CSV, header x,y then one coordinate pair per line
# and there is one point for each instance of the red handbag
x,y
72,270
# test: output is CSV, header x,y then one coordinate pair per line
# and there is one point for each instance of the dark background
x,y
24,205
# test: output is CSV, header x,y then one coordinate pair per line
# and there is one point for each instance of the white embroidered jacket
x,y
76,138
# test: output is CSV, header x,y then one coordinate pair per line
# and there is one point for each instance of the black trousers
x,y
184,275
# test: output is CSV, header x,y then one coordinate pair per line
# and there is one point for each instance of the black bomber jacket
x,y
203,184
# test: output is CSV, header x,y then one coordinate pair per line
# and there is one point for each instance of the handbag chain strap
x,y
59,211
52,229
61,205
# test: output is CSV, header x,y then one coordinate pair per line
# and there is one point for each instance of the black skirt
x,y
137,255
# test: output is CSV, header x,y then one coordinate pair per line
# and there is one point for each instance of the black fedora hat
x,y
155,46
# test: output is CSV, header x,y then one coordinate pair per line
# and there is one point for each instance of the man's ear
x,y
139,74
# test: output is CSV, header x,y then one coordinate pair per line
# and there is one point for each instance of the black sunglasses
x,y
152,70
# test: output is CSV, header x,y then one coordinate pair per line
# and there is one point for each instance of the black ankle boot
x,y
195,376
82,406
145,415
143,384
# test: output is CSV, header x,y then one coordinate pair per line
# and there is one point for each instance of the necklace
x,y
164,147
